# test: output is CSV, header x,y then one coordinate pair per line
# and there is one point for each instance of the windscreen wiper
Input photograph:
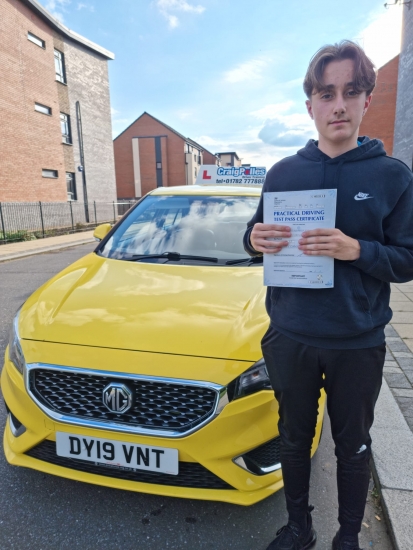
x,y
172,257
252,259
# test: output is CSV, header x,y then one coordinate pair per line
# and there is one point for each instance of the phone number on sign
x,y
257,181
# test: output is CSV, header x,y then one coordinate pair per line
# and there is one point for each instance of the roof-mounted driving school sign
x,y
210,174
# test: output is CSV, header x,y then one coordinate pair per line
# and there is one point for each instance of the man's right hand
x,y
262,233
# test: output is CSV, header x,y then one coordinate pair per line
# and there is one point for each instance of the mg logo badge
x,y
117,398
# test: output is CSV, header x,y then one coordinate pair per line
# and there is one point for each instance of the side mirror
x,y
101,231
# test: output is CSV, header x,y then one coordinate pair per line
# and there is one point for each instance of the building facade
x,y
403,132
150,154
380,117
229,159
56,141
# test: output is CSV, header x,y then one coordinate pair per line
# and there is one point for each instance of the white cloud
x,y
113,111
272,110
249,70
381,39
57,7
82,6
168,9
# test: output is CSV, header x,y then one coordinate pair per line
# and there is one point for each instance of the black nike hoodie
x,y
374,206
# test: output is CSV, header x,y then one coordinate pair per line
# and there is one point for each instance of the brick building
x,y
229,159
55,139
380,117
403,131
150,154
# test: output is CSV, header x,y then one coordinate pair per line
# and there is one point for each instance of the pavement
x,y
22,249
392,432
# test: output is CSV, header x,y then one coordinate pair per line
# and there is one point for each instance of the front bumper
x,y
210,452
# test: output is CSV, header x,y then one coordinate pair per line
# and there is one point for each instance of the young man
x,y
336,332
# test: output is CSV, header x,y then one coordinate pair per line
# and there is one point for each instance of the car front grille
x,y
158,406
191,474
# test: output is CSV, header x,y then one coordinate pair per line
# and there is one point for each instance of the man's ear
x,y
367,103
309,108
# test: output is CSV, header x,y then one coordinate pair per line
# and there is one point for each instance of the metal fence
x,y
21,221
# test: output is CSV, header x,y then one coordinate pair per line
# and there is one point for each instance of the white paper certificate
x,y
301,211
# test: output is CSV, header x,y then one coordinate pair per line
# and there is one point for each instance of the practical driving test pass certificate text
x,y
301,211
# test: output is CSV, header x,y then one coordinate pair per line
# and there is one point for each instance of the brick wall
x,y
403,134
29,141
380,117
88,83
173,157
209,158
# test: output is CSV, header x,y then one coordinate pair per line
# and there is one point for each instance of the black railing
x,y
24,221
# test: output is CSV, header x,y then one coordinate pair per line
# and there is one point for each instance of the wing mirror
x,y
101,231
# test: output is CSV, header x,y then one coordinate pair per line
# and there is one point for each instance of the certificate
x,y
301,211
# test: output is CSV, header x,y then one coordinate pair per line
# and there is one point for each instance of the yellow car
x,y
139,367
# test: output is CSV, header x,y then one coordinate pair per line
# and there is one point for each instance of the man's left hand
x,y
329,242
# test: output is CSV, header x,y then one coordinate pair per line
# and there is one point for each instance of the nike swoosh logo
x,y
356,198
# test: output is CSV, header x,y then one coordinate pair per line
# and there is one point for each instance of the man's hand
x,y
261,234
329,242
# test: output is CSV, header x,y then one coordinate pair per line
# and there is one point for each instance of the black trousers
x,y
352,380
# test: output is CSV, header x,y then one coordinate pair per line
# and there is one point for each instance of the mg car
x,y
139,366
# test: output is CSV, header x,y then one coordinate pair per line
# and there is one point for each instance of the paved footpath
x,y
392,432
12,251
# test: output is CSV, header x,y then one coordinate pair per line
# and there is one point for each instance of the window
x,y
59,63
42,109
71,186
66,130
46,173
36,40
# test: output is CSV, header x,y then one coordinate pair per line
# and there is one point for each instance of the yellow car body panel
x,y
187,322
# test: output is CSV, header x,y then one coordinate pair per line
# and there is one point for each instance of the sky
x,y
226,73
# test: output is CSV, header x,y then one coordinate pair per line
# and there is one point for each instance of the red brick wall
x,y
379,120
29,141
173,158
208,158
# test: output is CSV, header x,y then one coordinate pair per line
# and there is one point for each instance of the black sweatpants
x,y
352,381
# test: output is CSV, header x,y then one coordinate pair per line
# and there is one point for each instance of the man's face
x,y
337,110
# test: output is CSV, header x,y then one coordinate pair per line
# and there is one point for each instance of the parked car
x,y
139,366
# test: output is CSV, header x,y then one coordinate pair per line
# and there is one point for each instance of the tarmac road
x,y
43,512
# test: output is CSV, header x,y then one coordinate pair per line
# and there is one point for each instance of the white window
x,y
46,173
36,40
59,63
42,109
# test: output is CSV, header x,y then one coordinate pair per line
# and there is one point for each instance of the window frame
x,y
59,58
31,37
66,137
39,106
55,172
73,186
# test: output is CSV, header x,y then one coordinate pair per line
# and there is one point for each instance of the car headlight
x,y
252,380
15,350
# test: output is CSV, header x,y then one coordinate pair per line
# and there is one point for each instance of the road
x,y
42,512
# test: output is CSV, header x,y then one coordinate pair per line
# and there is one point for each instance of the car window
x,y
193,225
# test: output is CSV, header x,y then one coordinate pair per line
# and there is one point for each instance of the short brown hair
x,y
364,73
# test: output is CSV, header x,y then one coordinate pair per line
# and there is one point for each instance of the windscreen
x,y
193,225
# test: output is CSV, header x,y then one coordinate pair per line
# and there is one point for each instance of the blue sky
x,y
226,73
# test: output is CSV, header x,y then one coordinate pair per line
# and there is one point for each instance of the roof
x,y
188,140
228,153
58,26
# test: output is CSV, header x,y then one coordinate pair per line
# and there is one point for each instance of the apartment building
x,y
55,141
229,159
150,154
380,117
403,131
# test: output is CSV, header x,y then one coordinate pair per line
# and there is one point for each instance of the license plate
x,y
117,453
